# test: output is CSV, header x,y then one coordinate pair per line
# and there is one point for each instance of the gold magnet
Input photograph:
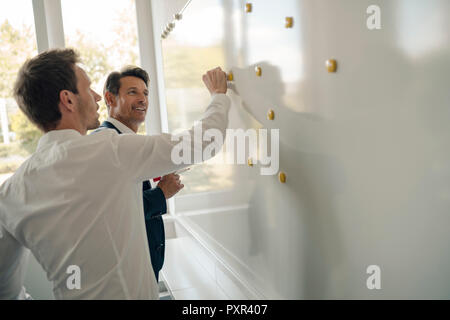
x,y
282,177
250,162
230,76
248,7
270,115
331,65
289,22
258,71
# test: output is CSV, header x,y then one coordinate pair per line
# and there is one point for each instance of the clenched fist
x,y
216,81
170,185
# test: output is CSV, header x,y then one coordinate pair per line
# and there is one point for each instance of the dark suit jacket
x,y
154,208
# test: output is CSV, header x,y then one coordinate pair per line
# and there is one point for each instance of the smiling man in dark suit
x,y
126,96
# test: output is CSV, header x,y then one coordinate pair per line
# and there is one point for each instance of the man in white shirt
x,y
76,203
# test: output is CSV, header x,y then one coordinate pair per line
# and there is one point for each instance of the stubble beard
x,y
84,112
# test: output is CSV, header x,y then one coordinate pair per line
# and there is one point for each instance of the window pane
x,y
18,137
186,58
105,34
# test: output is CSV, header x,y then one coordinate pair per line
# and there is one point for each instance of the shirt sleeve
x,y
13,266
145,157
154,203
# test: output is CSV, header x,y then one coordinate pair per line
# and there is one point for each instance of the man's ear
x,y
67,100
110,99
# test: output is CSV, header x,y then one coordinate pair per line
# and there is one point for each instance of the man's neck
x,y
64,126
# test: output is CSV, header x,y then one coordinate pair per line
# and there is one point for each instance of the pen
x,y
176,172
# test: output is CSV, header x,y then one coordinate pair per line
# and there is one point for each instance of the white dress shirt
x,y
77,201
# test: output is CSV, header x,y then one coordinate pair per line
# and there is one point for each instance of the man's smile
x,y
140,109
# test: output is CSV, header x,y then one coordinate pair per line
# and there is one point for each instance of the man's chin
x,y
142,117
94,125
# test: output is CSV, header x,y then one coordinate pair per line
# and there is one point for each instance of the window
x,y
18,137
186,57
105,34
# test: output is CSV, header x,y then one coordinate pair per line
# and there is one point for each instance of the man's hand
x,y
216,81
170,185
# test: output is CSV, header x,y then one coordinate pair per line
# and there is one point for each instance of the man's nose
x,y
143,99
97,97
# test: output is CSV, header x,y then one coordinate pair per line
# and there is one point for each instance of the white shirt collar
x,y
57,136
119,125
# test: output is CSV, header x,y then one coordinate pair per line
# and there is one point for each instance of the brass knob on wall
x,y
289,22
282,177
170,26
258,71
331,65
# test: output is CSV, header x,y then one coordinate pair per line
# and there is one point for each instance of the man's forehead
x,y
132,81
79,70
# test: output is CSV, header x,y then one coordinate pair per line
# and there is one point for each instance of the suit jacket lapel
x,y
107,124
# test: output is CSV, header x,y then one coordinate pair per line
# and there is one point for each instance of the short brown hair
x,y
39,83
113,81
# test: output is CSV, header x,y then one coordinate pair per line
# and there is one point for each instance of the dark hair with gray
x,y
39,83
113,81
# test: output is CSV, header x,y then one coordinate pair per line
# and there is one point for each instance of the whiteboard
x,y
365,149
